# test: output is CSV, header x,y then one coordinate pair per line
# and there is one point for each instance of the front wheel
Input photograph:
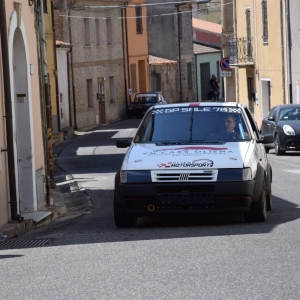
x,y
122,218
258,210
277,146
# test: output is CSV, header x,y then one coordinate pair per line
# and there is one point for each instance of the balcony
x,y
240,52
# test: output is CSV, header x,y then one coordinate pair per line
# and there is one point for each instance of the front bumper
x,y
289,142
213,197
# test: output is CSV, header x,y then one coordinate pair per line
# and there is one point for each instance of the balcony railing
x,y
240,50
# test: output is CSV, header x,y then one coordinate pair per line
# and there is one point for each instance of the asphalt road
x,y
219,257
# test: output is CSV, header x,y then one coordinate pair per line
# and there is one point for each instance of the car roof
x,y
288,106
148,93
191,104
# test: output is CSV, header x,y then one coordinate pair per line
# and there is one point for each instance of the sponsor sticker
x,y
189,151
199,163
235,110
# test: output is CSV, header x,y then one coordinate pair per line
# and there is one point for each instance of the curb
x,y
14,229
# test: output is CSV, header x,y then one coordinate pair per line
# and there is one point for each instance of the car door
x,y
269,123
260,154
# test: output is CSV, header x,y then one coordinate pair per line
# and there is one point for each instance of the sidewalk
x,y
61,204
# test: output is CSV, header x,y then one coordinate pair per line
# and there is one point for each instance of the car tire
x,y
278,152
258,210
121,217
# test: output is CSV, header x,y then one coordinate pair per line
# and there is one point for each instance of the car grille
x,y
184,176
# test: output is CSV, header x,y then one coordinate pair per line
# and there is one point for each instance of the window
x,y
90,93
109,31
189,76
248,32
264,5
139,20
112,89
97,24
87,39
45,6
205,80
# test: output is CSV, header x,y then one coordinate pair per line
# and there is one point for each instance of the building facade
x,y
258,54
22,172
94,29
171,36
136,57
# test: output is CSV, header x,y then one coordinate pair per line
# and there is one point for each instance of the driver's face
x,y
229,124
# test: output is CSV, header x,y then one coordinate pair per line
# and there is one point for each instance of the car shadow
x,y
99,227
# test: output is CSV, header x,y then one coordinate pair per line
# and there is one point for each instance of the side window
x,y
252,123
272,113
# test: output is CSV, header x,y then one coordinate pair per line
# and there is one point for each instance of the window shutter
x,y
133,77
139,20
189,75
264,5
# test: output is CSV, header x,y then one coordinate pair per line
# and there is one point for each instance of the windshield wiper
x,y
172,143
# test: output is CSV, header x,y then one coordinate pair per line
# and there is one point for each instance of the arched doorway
x,y
22,130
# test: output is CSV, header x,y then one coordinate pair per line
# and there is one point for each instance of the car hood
x,y
151,156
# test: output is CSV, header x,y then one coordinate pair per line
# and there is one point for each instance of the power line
x,y
140,17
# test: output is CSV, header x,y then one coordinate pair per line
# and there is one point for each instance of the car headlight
x,y
135,176
288,130
235,174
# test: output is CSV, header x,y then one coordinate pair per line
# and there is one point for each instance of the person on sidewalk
x,y
215,87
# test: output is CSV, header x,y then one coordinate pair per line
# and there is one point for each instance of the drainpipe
x,y
196,55
179,51
127,51
69,91
72,70
124,31
288,50
48,133
282,52
55,62
8,116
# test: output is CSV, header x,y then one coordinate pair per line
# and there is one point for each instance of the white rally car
x,y
194,158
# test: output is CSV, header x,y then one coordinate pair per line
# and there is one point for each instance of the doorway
x,y
266,96
24,159
142,76
101,99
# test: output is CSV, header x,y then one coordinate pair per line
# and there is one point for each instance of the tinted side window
x,y
272,113
252,123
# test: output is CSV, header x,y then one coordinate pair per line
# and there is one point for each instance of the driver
x,y
228,124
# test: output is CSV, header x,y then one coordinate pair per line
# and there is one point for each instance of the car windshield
x,y
145,98
290,114
193,124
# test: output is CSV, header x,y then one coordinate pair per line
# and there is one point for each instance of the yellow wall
x,y
50,58
268,62
137,44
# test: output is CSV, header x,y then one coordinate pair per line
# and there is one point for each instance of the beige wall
x,y
4,192
268,58
137,47
51,65
29,37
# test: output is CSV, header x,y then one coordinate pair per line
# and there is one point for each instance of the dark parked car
x,y
142,101
282,124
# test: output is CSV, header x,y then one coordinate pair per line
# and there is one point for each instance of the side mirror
x,y
271,119
265,140
122,143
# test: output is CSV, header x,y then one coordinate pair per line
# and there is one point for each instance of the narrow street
x,y
215,257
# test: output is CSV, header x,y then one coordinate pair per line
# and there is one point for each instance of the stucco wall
x,y
269,64
93,62
295,47
211,58
169,81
